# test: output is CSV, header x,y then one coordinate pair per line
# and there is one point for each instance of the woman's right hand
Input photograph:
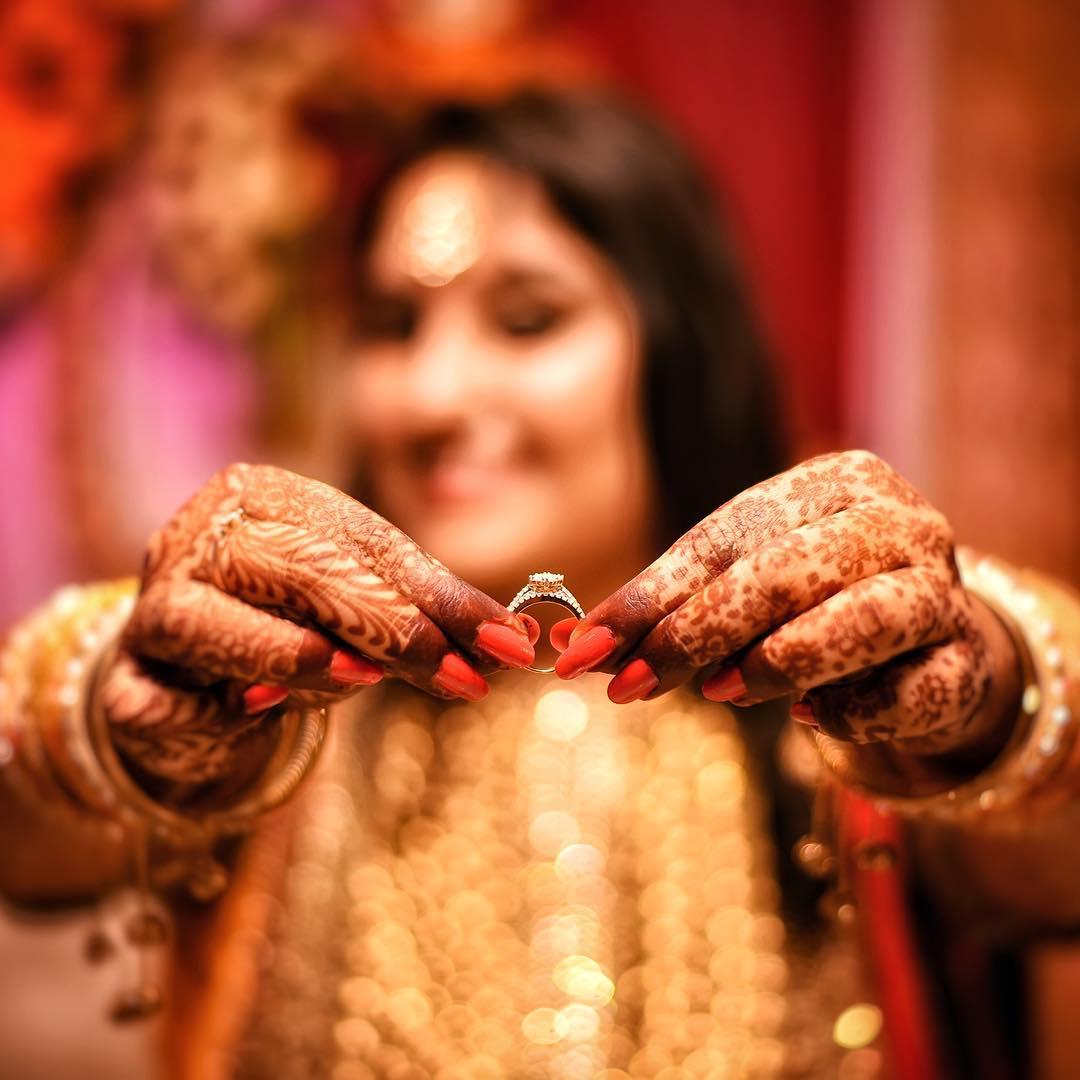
x,y
268,584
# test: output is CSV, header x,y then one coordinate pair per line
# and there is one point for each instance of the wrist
x,y
61,760
996,719
1025,735
191,814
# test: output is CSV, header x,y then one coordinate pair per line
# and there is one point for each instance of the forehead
x,y
455,213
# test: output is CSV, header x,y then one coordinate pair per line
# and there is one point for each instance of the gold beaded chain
x,y
541,885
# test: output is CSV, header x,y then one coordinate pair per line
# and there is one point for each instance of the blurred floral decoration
x,y
260,142
237,137
414,51
70,73
237,181
241,201
234,184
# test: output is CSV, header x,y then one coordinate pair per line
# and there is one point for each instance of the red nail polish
x,y
456,677
803,713
504,644
559,634
726,685
584,652
263,696
532,626
635,681
353,670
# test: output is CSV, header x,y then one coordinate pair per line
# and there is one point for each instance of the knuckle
x,y
874,616
157,550
771,660
450,598
943,527
714,545
142,625
236,473
864,459
786,658
232,480
412,641
680,636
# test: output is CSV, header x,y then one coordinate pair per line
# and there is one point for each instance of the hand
x,y
834,582
268,584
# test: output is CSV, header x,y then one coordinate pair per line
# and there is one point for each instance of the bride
x,y
499,873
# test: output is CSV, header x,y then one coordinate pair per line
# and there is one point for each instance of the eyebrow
x,y
511,272
514,273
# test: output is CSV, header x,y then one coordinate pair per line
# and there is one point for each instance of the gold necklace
x,y
541,885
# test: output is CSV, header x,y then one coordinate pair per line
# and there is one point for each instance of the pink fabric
x,y
33,553
176,405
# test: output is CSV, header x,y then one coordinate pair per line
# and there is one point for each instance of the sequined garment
x,y
541,885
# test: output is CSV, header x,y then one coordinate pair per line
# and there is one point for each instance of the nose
x,y
442,376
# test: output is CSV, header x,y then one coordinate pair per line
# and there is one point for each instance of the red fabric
x,y
762,91
890,945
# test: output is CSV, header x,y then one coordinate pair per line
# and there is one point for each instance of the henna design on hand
x,y
836,577
191,736
262,577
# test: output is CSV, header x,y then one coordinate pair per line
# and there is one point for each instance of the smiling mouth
x,y
463,482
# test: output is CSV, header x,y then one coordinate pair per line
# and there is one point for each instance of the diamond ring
x,y
545,588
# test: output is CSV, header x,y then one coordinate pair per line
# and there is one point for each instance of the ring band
x,y
545,588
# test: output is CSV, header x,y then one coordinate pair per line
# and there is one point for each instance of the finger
x,y
862,627
458,608
304,574
927,700
817,490
184,735
559,634
262,697
756,594
753,518
532,627
311,577
194,626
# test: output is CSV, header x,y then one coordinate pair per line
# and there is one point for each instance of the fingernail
x,y
803,712
635,681
353,670
726,685
456,677
505,644
263,696
559,634
532,626
585,651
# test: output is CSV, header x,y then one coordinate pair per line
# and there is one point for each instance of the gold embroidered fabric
x,y
541,885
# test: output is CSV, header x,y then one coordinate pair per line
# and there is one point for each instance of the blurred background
x,y
176,178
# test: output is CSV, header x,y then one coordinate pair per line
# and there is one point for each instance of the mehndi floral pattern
x,y
262,577
835,580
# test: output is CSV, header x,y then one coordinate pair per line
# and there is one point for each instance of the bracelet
x,y
57,755
303,732
1045,735
55,738
42,671
1046,695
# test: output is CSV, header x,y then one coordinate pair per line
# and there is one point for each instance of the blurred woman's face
x,y
495,392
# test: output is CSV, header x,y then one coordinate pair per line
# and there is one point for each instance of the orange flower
x,y
58,110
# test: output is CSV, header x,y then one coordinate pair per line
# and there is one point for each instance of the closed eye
x,y
386,318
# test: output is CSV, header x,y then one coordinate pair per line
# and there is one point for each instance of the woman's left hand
x,y
834,582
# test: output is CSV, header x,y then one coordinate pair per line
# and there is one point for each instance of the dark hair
x,y
623,182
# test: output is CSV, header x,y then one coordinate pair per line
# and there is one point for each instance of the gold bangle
x,y
42,670
1045,735
55,743
303,732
